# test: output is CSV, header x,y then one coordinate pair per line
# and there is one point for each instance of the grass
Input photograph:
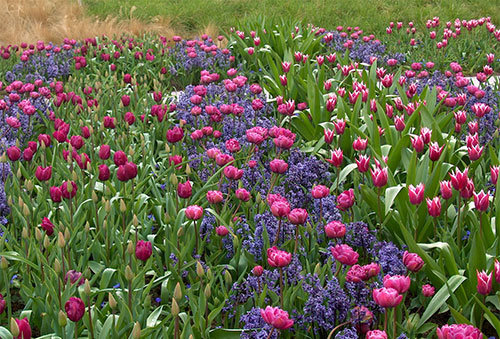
x,y
373,16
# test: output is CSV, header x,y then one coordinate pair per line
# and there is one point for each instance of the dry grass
x,y
54,20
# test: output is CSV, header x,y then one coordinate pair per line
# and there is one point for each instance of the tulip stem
x,y
459,231
270,333
277,232
378,204
196,235
296,239
385,320
394,324
281,286
91,328
7,286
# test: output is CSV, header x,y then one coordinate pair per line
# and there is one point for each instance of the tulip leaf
x,y
390,194
152,320
441,297
5,333
492,319
226,333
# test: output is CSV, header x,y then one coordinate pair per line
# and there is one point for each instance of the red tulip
x,y
55,194
363,163
278,166
417,143
43,139
459,179
104,173
125,100
280,208
458,331
468,191
120,158
428,290
481,201
416,194
66,193
320,191
335,229
412,261
184,190
175,134
297,216
329,135
387,297
43,173
278,258
109,122
129,118
104,152
194,212
345,254
400,283
85,132
14,153
2,304
446,189
399,123
214,197
475,152
484,282
242,194
47,226
434,206
494,170
27,154
360,144
258,270
345,200
337,157
376,334
339,126
435,151
77,142
379,176
276,317
75,309
233,173
24,329
143,250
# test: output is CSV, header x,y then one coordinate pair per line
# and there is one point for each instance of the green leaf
x,y
5,333
492,319
390,194
440,298
152,320
225,333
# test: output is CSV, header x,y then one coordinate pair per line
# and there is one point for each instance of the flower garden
x,y
282,180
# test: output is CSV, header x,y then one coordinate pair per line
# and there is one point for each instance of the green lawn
x,y
371,15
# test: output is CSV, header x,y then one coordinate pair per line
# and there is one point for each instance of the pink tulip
x,y
276,317
278,258
387,297
412,261
335,229
428,290
484,282
400,283
194,212
346,199
416,194
458,331
345,254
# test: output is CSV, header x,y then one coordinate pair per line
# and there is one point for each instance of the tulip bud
x,y
29,185
112,301
209,274
86,287
208,291
38,235
135,221
70,187
107,206
60,240
24,233
228,278
57,266
130,248
167,148
3,158
94,197
136,331
180,232
199,270
46,242
87,227
188,169
20,202
173,179
26,210
74,175
4,264
66,235
317,269
178,291
129,275
104,224
175,308
14,329
123,207
62,319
